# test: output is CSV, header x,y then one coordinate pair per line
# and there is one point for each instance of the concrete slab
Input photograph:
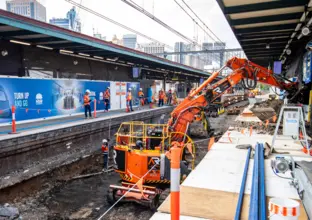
x,y
165,216
222,168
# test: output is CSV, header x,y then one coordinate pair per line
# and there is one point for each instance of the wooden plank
x,y
212,204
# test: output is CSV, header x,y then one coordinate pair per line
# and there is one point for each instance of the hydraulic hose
x,y
254,198
242,189
253,83
263,210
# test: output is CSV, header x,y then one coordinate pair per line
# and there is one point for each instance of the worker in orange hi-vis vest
x,y
141,97
129,100
161,97
174,98
106,97
86,103
105,151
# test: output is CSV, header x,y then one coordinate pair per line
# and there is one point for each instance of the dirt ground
x,y
81,198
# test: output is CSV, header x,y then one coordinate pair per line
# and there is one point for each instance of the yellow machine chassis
x,y
139,130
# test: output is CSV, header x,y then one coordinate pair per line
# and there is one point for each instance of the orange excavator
x,y
142,151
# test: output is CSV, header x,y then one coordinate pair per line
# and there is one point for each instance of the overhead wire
x,y
148,14
201,21
117,23
194,20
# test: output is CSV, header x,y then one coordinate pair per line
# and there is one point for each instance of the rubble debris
x,y
8,212
233,111
83,213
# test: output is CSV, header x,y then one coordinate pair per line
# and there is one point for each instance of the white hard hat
x,y
141,89
104,141
129,89
88,91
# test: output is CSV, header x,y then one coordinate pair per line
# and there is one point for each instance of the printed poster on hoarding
x,y
41,98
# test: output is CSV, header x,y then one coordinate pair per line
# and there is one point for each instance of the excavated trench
x,y
58,195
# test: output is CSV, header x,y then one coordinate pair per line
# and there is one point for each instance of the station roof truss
x,y
265,29
35,33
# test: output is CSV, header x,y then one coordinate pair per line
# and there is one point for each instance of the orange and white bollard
x,y
94,112
175,183
13,121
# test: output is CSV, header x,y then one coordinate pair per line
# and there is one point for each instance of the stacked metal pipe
x,y
257,209
257,205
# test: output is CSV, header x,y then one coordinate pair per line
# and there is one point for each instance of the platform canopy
x,y
267,28
35,33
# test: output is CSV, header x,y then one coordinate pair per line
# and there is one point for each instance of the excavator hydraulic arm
x,y
243,71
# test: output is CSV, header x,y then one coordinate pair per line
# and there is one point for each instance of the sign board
x,y
277,67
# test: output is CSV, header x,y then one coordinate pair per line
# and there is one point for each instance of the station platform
x,y
47,144
26,127
211,190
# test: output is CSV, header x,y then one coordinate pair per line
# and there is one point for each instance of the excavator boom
x,y
243,71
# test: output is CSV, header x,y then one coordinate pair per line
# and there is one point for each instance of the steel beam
x,y
200,52
264,6
271,18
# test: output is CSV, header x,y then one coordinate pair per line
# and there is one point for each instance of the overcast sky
x,y
166,10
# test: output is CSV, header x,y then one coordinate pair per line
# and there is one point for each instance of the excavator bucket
x,y
147,196
267,110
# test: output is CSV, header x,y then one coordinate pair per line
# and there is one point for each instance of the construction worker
x,y
161,97
106,97
141,97
86,103
174,98
105,151
129,100
169,97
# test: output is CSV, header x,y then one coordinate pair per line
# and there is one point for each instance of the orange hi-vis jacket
x,y
104,149
161,95
106,94
86,100
141,94
129,96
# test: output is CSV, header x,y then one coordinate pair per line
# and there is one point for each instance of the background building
x,y
130,40
29,8
116,40
180,47
71,22
99,36
152,48
207,57
61,22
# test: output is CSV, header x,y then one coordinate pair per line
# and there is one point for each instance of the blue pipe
x,y
254,198
242,189
263,209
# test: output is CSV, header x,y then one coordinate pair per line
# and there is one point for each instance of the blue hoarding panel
x,y
39,98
